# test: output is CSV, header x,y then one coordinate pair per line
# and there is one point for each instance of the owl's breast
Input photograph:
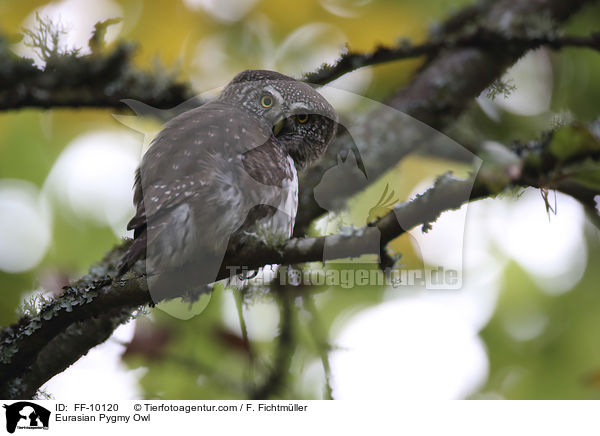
x,y
273,211
288,201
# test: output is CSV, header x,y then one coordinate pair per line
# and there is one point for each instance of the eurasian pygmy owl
x,y
224,170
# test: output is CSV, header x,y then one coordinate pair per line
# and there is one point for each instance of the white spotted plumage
x,y
221,171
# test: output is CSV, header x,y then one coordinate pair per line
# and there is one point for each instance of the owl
x,y
223,173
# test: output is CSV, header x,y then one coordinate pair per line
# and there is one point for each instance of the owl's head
x,y
303,122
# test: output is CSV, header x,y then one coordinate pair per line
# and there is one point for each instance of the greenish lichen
x,y
32,305
502,87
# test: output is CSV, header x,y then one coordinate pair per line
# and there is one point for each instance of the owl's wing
x,y
188,155
187,162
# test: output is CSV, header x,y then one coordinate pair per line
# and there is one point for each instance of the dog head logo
x,y
24,414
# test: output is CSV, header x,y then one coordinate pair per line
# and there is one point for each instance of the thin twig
x,y
284,347
323,347
239,304
482,38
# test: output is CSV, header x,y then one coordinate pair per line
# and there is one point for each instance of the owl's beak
x,y
278,126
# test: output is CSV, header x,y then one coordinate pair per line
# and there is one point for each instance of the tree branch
x,y
109,78
99,80
284,348
478,38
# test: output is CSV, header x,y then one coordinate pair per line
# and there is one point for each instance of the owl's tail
x,y
136,251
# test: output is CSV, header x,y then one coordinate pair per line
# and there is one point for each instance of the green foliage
x,y
587,174
574,140
569,143
557,358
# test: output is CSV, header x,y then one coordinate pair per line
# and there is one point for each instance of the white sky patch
x,y
78,18
309,46
344,93
217,58
488,107
411,348
223,10
312,379
443,244
474,303
344,8
552,249
100,374
25,226
479,254
93,177
533,80
525,323
262,317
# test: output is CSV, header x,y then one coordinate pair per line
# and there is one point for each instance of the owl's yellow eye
x,y
266,101
302,118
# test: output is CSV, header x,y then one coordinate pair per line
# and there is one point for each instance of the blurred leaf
x,y
542,346
572,141
96,41
586,174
